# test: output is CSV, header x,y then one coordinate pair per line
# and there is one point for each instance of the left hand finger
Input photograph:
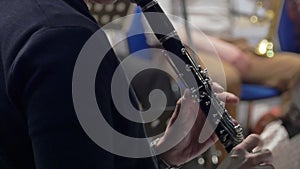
x,y
217,87
228,98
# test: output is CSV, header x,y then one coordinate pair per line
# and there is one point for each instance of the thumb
x,y
234,160
187,94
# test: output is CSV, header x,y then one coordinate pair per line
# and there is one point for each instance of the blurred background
x,y
250,47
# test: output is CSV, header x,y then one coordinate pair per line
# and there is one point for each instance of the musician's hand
x,y
244,156
224,96
189,147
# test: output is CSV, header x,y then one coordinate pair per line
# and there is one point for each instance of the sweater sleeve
x,y
39,84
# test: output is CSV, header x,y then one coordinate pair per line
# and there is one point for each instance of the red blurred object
x,y
270,116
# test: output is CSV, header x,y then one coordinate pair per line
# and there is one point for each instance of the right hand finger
x,y
250,143
255,159
267,166
240,159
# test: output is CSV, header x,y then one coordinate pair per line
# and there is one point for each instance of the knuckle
x,y
238,152
268,153
251,161
237,149
255,138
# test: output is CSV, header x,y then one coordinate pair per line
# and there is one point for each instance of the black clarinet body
x,y
229,133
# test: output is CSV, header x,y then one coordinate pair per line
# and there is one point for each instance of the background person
x,y
241,65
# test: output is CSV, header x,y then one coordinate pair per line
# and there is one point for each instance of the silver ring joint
x,y
149,5
168,36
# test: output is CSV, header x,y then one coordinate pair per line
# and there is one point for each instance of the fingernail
x,y
257,150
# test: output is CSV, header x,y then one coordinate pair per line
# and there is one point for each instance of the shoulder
x,y
49,52
24,23
43,13
21,20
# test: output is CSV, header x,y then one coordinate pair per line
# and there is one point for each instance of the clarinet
x,y
229,133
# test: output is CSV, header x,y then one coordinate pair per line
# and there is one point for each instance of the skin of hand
x,y
248,155
189,147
